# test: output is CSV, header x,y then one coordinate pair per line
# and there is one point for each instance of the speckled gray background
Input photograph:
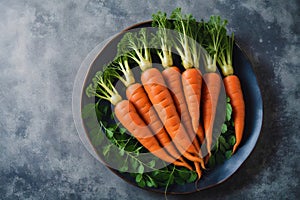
x,y
42,44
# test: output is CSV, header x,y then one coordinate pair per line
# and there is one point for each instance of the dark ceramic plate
x,y
254,115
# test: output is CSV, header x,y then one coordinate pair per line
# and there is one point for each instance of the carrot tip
x,y
234,149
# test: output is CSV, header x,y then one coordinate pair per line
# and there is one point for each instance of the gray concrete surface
x,y
42,44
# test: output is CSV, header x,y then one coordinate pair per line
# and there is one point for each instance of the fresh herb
x,y
222,150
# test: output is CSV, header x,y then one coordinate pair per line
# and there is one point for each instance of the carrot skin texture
x,y
210,95
138,97
234,91
130,119
172,76
200,134
160,96
192,83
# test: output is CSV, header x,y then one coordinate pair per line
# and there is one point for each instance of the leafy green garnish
x,y
223,147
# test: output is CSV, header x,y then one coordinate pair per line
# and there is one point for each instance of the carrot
x,y
200,134
192,83
129,118
215,28
198,170
190,53
210,93
137,95
158,93
172,76
234,91
160,96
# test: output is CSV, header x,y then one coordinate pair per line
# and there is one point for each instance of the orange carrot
x,y
130,119
234,91
210,94
136,47
160,96
200,134
190,54
138,97
192,83
172,76
198,169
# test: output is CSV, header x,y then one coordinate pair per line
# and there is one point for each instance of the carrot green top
x,y
187,48
162,37
103,88
136,46
120,69
225,58
215,31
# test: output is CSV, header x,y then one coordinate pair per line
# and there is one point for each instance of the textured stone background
x,y
42,44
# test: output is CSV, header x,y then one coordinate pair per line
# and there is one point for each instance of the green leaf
x,y
151,164
192,177
124,168
162,176
232,140
228,111
138,178
220,158
179,180
228,154
184,174
141,169
122,151
222,148
104,108
92,123
88,110
122,130
155,172
222,139
226,145
150,182
223,128
130,147
109,133
112,115
134,163
113,127
96,137
227,99
171,179
212,161
104,123
106,149
142,183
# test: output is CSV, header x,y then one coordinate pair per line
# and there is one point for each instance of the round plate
x,y
106,52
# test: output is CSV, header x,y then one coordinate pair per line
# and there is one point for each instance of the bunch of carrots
x,y
172,112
